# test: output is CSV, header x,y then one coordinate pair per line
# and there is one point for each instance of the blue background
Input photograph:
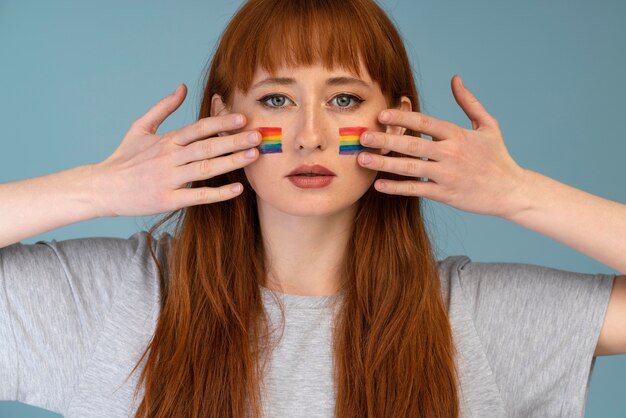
x,y
75,74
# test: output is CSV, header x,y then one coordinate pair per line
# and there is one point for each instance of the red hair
x,y
392,345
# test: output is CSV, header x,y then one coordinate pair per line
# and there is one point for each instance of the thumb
x,y
153,118
470,105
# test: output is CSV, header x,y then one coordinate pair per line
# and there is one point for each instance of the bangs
x,y
269,34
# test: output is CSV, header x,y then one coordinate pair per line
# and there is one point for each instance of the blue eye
x,y
346,101
274,101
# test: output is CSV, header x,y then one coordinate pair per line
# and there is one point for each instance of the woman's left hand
x,y
469,169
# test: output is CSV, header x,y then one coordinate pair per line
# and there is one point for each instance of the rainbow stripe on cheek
x,y
272,142
349,140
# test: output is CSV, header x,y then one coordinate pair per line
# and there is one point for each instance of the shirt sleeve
x,y
539,327
54,299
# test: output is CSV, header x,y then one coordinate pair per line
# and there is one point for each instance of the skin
x,y
305,231
469,169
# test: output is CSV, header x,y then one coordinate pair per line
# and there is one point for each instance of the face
x,y
310,104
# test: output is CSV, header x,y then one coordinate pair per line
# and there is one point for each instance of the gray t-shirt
x,y
75,315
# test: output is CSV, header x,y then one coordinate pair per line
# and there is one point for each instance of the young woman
x,y
302,282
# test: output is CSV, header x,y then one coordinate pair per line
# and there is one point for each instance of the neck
x,y
304,255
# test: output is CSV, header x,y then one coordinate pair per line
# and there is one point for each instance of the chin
x,y
307,206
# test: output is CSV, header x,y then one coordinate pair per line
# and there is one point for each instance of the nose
x,y
310,130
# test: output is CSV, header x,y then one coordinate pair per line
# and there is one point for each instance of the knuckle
x,y
225,123
379,162
202,195
460,133
424,122
382,139
136,125
199,128
411,166
208,147
241,140
203,126
451,151
205,168
412,187
397,117
237,158
414,147
175,156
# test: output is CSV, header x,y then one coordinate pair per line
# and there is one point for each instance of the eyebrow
x,y
334,81
339,81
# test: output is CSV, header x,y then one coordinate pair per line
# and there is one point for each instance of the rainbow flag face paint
x,y
272,140
349,140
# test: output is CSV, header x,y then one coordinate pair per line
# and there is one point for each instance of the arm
x,y
147,174
33,206
471,170
590,224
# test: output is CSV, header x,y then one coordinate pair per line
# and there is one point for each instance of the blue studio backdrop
x,y
75,74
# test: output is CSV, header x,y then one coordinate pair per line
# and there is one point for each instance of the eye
x,y
346,101
274,101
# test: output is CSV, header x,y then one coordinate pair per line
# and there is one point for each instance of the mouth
x,y
311,170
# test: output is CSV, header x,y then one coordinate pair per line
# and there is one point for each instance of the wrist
x,y
92,191
521,199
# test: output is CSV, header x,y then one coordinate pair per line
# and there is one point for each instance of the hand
x,y
148,173
469,169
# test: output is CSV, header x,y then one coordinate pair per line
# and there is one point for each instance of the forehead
x,y
315,71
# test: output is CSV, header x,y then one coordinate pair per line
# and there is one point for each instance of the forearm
x,y
37,205
590,224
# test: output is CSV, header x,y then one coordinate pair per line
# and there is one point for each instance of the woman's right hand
x,y
148,173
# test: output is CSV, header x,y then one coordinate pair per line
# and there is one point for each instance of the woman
x,y
374,325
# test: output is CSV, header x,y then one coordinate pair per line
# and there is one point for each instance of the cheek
x,y
265,175
356,180
364,176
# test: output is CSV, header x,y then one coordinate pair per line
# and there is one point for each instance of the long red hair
x,y
393,349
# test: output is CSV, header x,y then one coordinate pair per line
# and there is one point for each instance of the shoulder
x,y
497,282
92,266
90,248
113,252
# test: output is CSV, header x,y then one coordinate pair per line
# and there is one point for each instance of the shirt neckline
x,y
300,301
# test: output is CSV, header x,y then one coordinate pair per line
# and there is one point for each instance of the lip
x,y
311,168
317,182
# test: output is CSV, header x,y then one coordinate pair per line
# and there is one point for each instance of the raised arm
x,y
146,175
33,206
471,170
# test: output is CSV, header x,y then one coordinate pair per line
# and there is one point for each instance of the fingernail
x,y
365,158
236,188
239,120
250,153
380,185
253,138
367,139
385,117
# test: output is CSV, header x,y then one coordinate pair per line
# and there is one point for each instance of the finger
x,y
404,144
207,127
205,169
418,122
216,146
427,189
471,106
204,195
153,118
411,167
